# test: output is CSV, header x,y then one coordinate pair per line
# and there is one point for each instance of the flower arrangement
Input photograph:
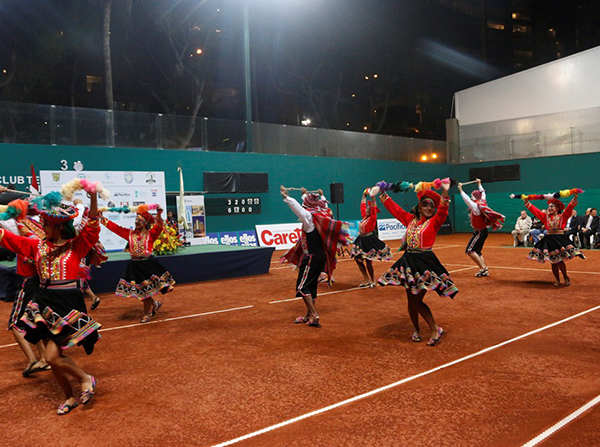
x,y
168,242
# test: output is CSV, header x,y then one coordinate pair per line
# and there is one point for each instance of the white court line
x,y
400,382
175,318
320,294
527,269
213,312
562,423
353,288
159,321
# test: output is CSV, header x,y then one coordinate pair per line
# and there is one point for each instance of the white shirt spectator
x,y
523,224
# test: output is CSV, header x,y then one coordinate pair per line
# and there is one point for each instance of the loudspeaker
x,y
336,192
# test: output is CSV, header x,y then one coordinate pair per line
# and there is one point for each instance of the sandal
x,y
95,303
416,337
300,320
436,341
29,369
146,319
314,321
87,395
66,408
155,307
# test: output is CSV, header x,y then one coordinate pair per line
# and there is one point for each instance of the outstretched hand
x,y
284,192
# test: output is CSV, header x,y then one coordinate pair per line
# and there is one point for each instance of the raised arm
x,y
117,229
396,210
536,211
570,207
304,215
480,187
442,213
21,245
472,205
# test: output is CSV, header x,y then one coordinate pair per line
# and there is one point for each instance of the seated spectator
x,y
573,226
537,230
589,227
522,227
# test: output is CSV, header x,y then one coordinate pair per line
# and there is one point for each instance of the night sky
x,y
391,66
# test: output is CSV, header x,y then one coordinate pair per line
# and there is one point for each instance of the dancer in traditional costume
x,y
26,269
145,276
367,246
315,251
482,217
94,258
555,246
419,270
57,312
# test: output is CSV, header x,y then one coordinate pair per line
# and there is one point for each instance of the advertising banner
x,y
241,238
196,219
280,236
390,229
127,188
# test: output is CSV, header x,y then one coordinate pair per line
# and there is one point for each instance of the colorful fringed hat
x,y
313,201
59,214
429,194
477,194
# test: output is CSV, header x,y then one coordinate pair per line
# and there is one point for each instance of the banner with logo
x,y
127,188
196,217
390,229
280,236
239,238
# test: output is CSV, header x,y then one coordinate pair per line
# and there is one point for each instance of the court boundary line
x,y
219,311
352,288
400,382
160,321
563,422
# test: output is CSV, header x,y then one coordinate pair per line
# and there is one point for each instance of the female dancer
x,y
26,269
315,251
144,276
555,247
481,217
419,270
367,246
57,312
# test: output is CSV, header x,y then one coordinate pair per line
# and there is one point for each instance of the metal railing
x,y
70,126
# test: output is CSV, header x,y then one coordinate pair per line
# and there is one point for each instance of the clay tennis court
x,y
223,364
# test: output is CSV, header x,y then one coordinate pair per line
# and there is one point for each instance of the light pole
x,y
247,79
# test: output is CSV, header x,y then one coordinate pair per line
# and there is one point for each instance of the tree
x,y
172,57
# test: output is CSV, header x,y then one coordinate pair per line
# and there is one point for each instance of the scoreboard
x,y
232,206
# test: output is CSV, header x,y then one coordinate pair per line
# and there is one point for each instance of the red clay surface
x,y
208,379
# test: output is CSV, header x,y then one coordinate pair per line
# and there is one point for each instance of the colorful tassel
x,y
552,195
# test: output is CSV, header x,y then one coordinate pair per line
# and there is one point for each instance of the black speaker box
x,y
336,193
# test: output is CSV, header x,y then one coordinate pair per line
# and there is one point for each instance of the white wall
x,y
564,85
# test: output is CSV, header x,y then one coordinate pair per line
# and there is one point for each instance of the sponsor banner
x,y
127,188
353,229
213,238
196,219
390,229
280,236
239,238
229,238
248,238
